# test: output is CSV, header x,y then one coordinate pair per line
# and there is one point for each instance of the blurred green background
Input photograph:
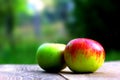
x,y
26,24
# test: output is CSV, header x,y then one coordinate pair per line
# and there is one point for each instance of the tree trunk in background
x,y
10,19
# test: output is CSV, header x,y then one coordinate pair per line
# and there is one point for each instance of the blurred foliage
x,y
22,33
8,11
98,20
14,6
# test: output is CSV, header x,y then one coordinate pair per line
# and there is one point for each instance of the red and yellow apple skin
x,y
84,55
50,57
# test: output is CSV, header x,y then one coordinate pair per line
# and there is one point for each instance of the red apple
x,y
84,55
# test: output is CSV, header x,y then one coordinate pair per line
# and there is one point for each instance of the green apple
x,y
50,57
84,55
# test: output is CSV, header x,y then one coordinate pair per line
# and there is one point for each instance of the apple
x,y
50,56
84,55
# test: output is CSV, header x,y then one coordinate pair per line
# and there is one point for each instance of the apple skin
x,y
83,55
50,57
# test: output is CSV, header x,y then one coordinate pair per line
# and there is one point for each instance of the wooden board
x,y
109,71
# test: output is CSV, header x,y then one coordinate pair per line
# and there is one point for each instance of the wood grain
x,y
109,71
26,72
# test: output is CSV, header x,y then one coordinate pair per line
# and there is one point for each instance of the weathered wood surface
x,y
109,71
